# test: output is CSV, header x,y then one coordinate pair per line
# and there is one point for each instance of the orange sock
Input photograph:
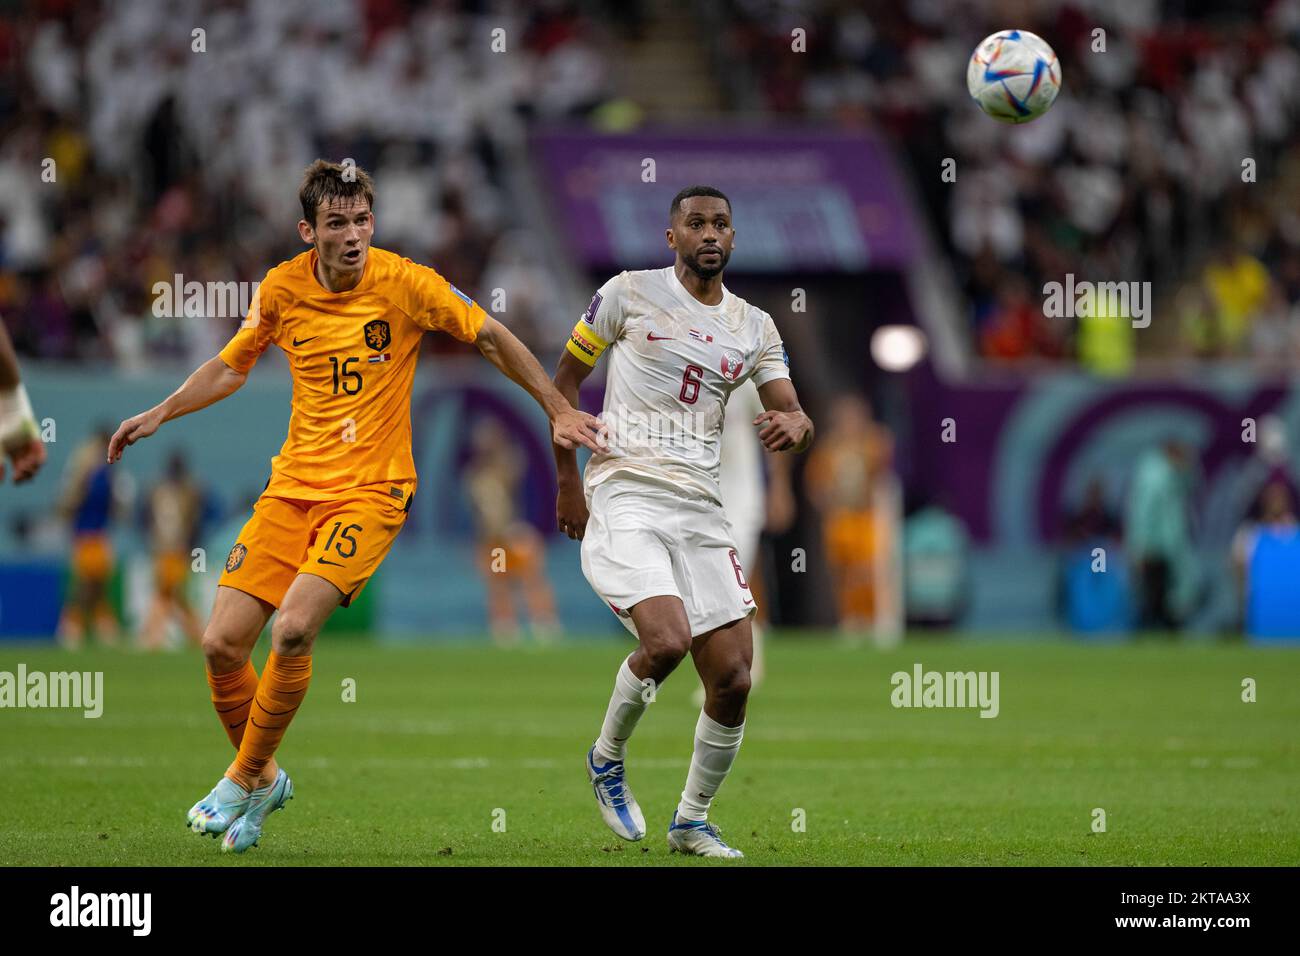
x,y
279,694
232,696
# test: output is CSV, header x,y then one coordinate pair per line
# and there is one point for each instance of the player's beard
x,y
707,272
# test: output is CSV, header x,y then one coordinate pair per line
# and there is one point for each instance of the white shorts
x,y
643,541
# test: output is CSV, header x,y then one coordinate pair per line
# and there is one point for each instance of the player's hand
x,y
784,431
130,432
571,510
27,457
573,428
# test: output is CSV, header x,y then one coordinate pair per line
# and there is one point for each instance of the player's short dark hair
x,y
691,191
326,181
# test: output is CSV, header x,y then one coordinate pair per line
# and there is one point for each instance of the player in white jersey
x,y
656,545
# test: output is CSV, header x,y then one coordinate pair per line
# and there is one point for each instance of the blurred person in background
x,y
845,475
20,438
511,551
175,508
936,567
1093,520
88,503
1273,512
1158,531
1275,334
1238,288
1016,327
1089,601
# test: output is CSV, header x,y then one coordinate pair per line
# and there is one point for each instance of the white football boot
x,y
224,804
617,805
247,830
698,838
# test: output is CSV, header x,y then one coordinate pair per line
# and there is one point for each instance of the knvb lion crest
x,y
732,363
236,557
377,335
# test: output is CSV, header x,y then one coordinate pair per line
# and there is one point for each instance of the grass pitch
x,y
443,742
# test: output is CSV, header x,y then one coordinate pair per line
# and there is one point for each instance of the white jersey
x,y
673,361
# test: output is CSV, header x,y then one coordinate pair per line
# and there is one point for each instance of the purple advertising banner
x,y
1013,460
802,199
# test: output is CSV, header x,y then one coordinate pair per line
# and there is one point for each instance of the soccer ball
x,y
1014,76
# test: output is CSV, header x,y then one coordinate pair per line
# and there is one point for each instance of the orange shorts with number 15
x,y
342,540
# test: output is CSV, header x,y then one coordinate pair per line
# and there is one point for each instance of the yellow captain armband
x,y
584,344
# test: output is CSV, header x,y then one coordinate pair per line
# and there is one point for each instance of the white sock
x,y
716,747
626,706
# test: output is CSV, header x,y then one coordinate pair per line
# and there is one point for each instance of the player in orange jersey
x,y
350,318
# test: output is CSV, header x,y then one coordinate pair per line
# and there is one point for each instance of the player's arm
x,y
786,427
20,439
218,377
211,382
571,503
569,426
600,325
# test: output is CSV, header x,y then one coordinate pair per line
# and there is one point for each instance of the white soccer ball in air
x,y
1014,76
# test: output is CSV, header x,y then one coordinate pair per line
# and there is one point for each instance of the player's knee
x,y
731,686
665,647
223,651
292,634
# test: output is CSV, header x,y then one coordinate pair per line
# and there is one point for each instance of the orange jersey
x,y
352,356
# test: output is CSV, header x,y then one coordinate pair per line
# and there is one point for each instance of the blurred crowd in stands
x,y
177,133
1135,174
1172,156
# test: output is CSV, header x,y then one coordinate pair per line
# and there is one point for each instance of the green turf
x,y
441,737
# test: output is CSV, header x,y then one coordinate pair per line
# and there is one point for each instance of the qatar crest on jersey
x,y
377,334
732,363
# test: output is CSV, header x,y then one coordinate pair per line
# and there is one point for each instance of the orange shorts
x,y
342,540
850,537
92,557
523,554
169,569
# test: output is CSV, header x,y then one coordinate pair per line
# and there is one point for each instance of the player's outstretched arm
x,y
211,382
785,425
571,503
569,427
20,439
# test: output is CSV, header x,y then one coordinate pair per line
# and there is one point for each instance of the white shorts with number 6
x,y
644,541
